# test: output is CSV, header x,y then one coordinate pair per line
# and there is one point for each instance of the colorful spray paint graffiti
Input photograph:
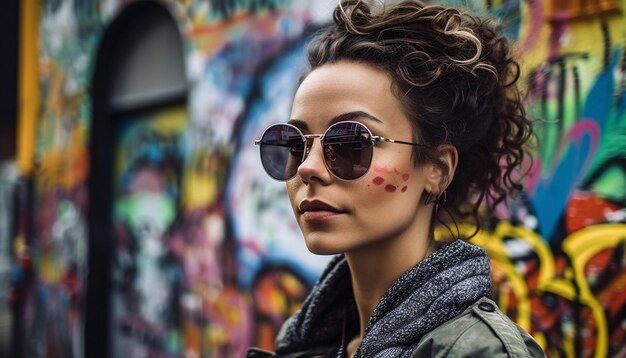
x,y
196,216
147,275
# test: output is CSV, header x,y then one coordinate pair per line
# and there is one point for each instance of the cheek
x,y
389,180
291,192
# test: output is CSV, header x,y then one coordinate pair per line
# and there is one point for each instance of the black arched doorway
x,y
139,95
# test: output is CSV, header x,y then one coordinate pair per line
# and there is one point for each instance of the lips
x,y
317,210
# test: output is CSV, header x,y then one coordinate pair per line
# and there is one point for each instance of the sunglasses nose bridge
x,y
309,141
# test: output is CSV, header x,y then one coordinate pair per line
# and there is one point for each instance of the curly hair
x,y
455,77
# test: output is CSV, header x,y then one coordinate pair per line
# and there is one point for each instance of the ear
x,y
442,170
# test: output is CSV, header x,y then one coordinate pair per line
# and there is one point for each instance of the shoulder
x,y
480,331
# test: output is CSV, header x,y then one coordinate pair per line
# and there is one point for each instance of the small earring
x,y
430,198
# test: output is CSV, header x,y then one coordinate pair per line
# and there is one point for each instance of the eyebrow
x,y
348,116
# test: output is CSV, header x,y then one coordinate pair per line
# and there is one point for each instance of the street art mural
x,y
147,274
207,257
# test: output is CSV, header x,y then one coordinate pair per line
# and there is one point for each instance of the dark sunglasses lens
x,y
348,150
282,150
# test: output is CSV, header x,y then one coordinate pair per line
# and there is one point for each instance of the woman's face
x,y
340,216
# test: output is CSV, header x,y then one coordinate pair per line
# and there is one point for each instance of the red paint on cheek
x,y
378,181
404,188
386,170
391,188
405,176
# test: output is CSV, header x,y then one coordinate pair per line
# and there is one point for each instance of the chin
x,y
321,246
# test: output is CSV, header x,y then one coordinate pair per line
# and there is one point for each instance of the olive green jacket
x,y
482,330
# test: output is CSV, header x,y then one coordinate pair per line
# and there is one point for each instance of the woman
x,y
408,118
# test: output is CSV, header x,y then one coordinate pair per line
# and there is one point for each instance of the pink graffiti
x,y
558,30
534,25
575,135
534,174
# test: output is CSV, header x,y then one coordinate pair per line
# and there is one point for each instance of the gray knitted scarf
x,y
436,290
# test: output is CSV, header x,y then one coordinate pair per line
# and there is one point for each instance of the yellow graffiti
x,y
167,122
201,181
29,94
63,136
63,168
494,244
580,247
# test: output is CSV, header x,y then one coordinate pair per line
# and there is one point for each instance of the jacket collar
x,y
434,291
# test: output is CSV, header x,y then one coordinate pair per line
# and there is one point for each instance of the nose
x,y
313,167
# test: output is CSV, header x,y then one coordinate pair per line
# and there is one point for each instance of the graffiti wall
x,y
207,258
8,185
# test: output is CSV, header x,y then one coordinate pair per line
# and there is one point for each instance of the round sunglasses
x,y
348,149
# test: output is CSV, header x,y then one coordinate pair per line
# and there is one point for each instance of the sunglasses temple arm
x,y
383,139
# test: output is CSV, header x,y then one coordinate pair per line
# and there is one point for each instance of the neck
x,y
375,268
